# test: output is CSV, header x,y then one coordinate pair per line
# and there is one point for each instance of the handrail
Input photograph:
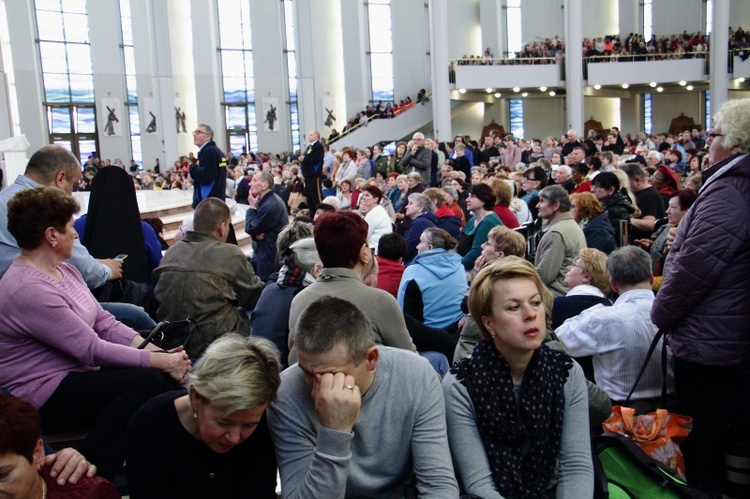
x,y
503,62
364,121
669,56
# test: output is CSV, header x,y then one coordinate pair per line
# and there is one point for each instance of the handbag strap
x,y
160,326
659,334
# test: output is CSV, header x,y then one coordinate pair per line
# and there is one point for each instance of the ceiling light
x,y
660,89
542,89
525,94
516,89
741,80
625,85
689,87
489,90
683,83
652,84
551,93
498,94
461,90
597,86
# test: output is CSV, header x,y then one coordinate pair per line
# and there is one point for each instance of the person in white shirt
x,y
618,337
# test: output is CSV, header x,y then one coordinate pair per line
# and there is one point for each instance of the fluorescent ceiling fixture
x,y
498,94
652,84
542,89
597,86
625,85
683,83
489,90
461,90
551,93
516,89
525,94
689,87
660,89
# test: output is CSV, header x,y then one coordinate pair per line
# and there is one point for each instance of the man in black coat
x,y
311,164
210,171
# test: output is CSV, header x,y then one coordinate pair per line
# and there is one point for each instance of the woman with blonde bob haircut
x,y
212,441
523,403
588,281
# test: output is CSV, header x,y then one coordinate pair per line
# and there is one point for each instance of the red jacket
x,y
389,275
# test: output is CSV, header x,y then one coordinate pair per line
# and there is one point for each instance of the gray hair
x,y
633,170
48,161
328,322
291,233
449,189
333,201
734,117
302,254
422,200
209,131
556,194
565,170
628,266
237,373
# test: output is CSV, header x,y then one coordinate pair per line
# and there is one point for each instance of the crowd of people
x,y
617,48
455,317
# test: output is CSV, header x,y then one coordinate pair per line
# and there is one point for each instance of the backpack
x,y
622,470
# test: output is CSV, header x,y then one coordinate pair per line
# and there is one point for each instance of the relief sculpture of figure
x,y
109,128
271,117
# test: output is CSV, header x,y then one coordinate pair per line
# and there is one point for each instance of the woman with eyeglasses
x,y
480,203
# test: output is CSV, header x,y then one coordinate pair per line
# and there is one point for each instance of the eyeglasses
x,y
198,132
713,135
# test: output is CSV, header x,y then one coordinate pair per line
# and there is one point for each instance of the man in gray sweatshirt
x,y
353,419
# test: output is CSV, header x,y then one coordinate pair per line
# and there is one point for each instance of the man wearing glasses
x,y
418,158
209,172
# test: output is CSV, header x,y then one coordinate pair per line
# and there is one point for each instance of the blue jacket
x,y
600,234
452,225
441,278
270,217
209,174
414,232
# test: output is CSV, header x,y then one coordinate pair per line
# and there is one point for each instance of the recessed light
x,y
683,83
652,84
525,94
461,90
516,89
551,93
689,87
542,89
660,89
498,94
489,90
597,87
741,80
625,85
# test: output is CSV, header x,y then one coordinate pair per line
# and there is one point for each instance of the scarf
x,y
522,441
294,277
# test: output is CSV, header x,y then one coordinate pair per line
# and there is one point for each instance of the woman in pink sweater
x,y
59,350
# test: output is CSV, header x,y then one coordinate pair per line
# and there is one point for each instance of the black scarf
x,y
522,441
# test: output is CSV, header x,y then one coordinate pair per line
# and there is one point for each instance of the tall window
x,y
237,75
126,22
67,74
381,49
709,16
708,111
648,19
647,113
516,117
291,67
513,27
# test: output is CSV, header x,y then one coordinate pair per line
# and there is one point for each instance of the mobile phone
x,y
121,257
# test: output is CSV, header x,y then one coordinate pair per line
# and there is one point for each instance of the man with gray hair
x,y
562,239
419,211
264,220
341,431
618,337
206,279
418,158
564,178
210,170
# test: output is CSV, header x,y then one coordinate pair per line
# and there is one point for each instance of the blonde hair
x,y
436,195
237,373
594,264
734,116
502,191
483,288
510,242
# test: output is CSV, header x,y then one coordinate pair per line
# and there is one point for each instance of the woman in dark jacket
x,y
606,188
599,232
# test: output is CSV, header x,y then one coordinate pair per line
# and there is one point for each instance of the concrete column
x,y
574,64
32,116
109,76
441,97
208,91
490,20
356,61
718,80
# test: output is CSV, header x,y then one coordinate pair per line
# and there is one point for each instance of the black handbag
x,y
168,335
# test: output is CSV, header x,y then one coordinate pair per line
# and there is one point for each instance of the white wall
x,y
739,14
603,109
464,31
541,19
673,16
600,17
411,69
542,117
666,107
